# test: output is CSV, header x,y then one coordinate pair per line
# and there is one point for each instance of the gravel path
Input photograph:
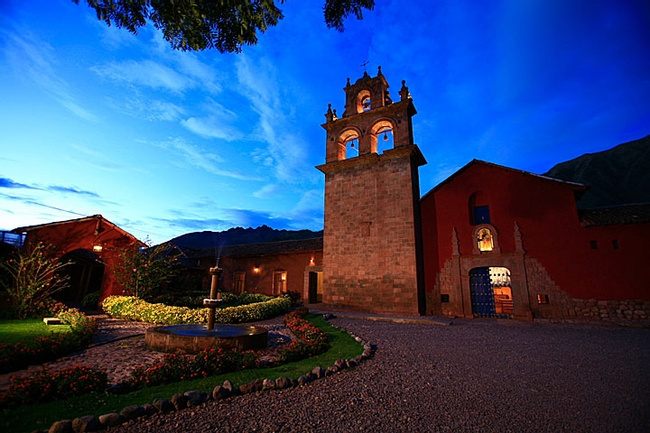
x,y
474,376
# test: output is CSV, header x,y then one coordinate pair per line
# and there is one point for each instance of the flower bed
x,y
131,308
22,354
174,367
311,340
46,385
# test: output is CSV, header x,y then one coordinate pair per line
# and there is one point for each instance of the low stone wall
x,y
632,310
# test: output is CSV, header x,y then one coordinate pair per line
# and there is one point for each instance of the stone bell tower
x,y
372,252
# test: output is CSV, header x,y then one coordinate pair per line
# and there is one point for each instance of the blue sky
x,y
95,120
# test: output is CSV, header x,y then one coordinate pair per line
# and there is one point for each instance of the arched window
x,y
479,211
352,148
348,144
485,239
381,136
364,102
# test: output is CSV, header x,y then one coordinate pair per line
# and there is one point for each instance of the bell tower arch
x,y
372,252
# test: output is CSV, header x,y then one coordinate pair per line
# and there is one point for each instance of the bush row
x,y
196,300
24,353
47,385
176,367
131,308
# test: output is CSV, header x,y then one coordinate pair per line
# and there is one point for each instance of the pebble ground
x,y
473,376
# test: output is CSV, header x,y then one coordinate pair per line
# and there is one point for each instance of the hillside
x,y
240,236
615,177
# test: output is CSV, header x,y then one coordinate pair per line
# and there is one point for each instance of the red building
x,y
91,245
489,241
503,242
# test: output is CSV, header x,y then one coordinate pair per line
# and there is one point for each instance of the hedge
x,y
132,308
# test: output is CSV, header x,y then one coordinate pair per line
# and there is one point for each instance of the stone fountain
x,y
191,339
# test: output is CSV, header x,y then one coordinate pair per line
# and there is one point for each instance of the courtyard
x,y
475,375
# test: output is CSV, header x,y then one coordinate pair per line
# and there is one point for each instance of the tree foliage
x,y
142,271
226,25
35,275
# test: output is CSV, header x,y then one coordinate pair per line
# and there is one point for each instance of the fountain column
x,y
215,297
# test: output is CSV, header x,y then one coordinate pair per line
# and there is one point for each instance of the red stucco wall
x,y
84,234
551,232
294,264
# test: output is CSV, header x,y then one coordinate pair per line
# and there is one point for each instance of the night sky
x,y
95,120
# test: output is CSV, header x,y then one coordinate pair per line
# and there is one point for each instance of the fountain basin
x,y
191,339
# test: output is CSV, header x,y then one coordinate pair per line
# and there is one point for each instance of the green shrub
x,y
252,298
178,300
131,308
296,298
90,301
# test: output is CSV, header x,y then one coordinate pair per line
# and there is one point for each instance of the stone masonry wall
x,y
561,307
369,252
540,283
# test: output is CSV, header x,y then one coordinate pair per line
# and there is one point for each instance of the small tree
x,y
143,270
35,275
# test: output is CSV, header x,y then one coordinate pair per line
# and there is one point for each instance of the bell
x,y
385,136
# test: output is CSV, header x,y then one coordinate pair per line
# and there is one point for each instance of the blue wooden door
x,y
482,293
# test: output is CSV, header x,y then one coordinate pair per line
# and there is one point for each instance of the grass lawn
x,y
41,416
13,331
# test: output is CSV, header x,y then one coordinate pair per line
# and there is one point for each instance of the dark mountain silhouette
x,y
241,236
614,177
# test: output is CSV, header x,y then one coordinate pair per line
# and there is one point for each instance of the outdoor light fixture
x,y
256,269
97,248
311,262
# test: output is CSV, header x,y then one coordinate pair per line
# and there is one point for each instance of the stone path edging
x,y
194,398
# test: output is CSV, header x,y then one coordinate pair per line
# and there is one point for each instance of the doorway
x,y
86,272
491,292
315,287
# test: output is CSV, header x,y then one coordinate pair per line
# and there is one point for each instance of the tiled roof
x,y
625,214
97,217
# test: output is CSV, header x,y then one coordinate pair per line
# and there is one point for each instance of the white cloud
x,y
87,156
150,109
200,74
35,59
266,192
145,73
285,150
212,127
195,156
218,122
